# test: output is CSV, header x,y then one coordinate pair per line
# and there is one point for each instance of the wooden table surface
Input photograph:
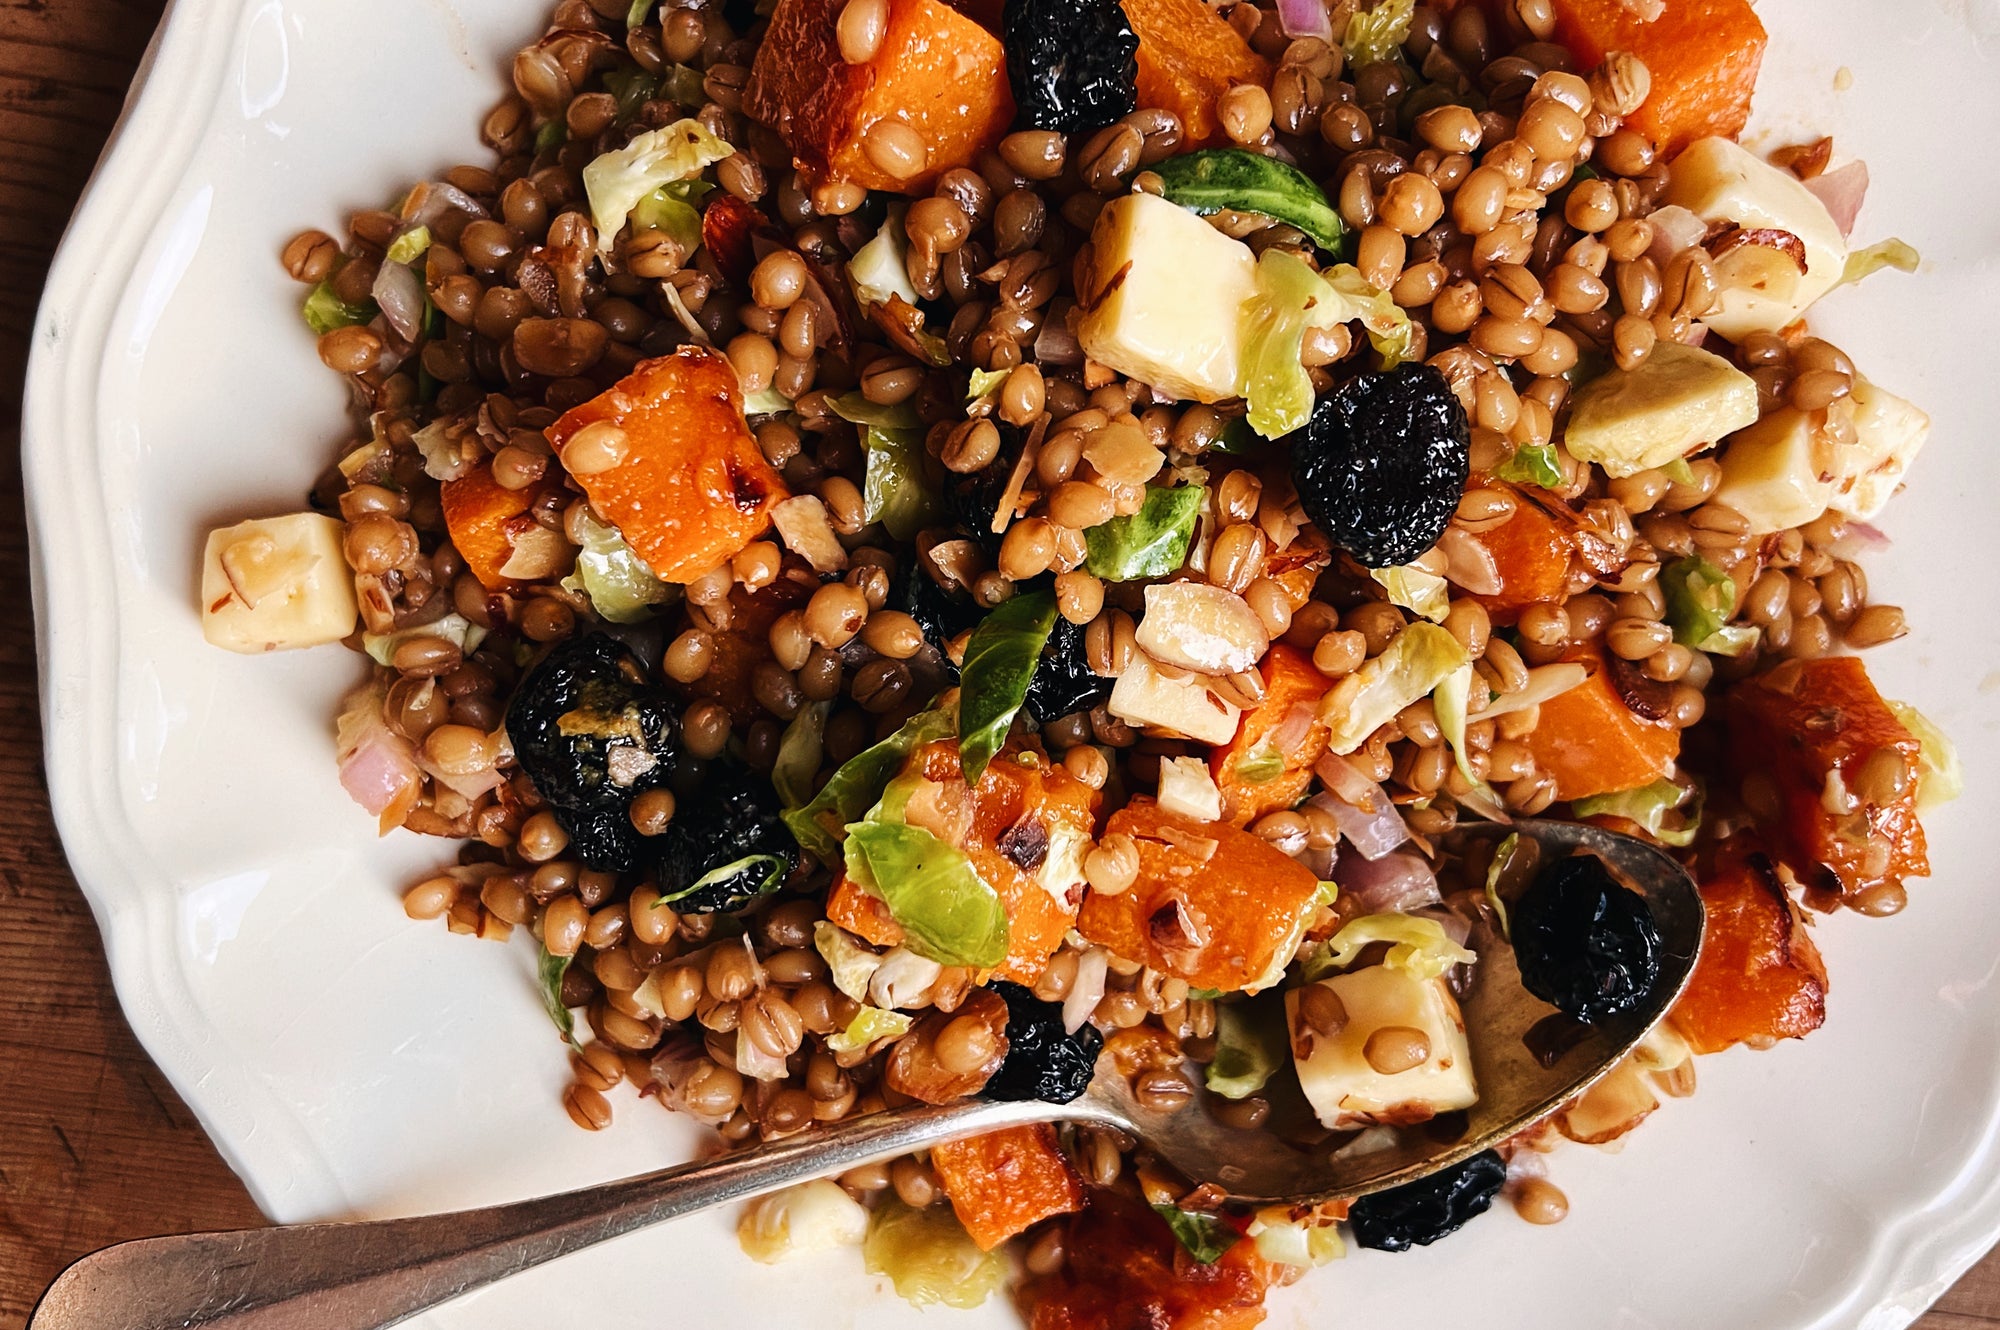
x,y
95,1147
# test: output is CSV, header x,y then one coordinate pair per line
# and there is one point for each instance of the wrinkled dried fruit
x,y
727,844
1419,1213
1064,683
1073,64
973,499
1382,464
1043,1060
1585,944
591,734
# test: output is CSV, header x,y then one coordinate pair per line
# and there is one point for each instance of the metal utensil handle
x,y
360,1276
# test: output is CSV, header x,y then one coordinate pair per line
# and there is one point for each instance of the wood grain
x,y
94,1146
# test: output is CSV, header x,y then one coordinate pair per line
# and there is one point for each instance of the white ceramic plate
x,y
350,1063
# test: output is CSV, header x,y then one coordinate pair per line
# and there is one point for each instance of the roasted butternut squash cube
x,y
1703,56
1269,763
1212,904
693,488
1127,1270
1592,743
937,73
1188,57
1002,1182
1760,977
1531,551
484,518
1812,730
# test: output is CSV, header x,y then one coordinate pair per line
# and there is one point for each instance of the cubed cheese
x,y
1144,696
1677,400
1774,473
1723,182
813,1216
1344,1090
1187,788
276,583
1202,628
1163,298
1889,432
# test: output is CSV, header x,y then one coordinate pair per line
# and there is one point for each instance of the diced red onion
x,y
1056,344
1086,990
1674,229
1373,830
1305,18
430,201
378,767
1843,193
400,293
1861,538
1393,884
1456,926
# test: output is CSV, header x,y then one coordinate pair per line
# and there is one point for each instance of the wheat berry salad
x,y
922,550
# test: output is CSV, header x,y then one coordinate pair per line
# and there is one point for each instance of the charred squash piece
x,y
1269,763
1593,743
483,517
694,488
1760,977
1001,1183
1811,730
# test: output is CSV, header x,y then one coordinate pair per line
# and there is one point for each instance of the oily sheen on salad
x,y
918,550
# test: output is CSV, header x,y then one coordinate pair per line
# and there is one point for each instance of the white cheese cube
x,y
813,1216
1187,788
1721,181
1680,398
1889,432
275,584
1344,1090
1143,696
1774,473
1163,298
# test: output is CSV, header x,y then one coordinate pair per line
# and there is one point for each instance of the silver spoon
x,y
359,1276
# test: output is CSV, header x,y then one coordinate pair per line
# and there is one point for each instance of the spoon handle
x,y
359,1276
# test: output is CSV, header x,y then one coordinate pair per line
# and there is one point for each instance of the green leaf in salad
x,y
1377,34
636,16
880,268
850,964
1532,464
622,589
454,628
632,87
893,491
552,135
1416,590
1218,179
1940,777
855,408
1891,253
324,311
675,210
1152,542
1416,661
1699,598
983,384
1276,387
1385,322
549,972
1419,947
409,246
1501,854
869,1024
1205,1236
858,784
772,866
799,752
1000,660
929,1257
617,182
1251,1044
947,911
1679,471
1452,699
1652,807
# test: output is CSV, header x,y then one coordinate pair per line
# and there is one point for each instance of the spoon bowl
x,y
363,1275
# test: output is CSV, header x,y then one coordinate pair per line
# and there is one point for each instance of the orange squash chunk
x,y
1126,1271
1811,732
1759,977
937,71
1001,1183
694,488
1531,551
1023,802
483,517
1255,772
1188,57
1592,743
1703,56
1212,903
